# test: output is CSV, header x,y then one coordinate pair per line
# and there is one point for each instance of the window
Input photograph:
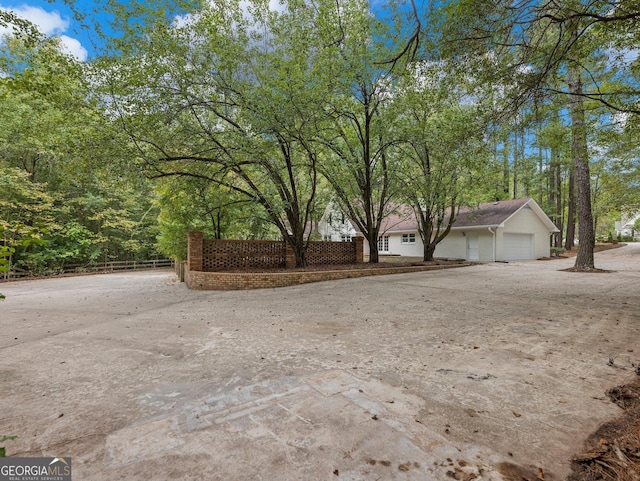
x,y
408,238
345,238
383,243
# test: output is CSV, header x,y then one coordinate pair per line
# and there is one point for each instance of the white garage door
x,y
518,247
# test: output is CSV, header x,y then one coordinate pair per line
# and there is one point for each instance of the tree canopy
x,y
245,118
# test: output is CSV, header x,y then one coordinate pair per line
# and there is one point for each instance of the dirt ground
x,y
613,451
489,372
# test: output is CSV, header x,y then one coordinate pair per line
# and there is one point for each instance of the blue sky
x,y
56,18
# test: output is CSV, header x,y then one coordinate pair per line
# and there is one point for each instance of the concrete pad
x,y
459,374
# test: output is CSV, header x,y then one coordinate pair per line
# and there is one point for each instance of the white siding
x,y
527,222
396,247
454,246
524,231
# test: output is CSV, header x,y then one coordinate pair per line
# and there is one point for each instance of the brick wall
x,y
215,255
227,255
194,251
225,281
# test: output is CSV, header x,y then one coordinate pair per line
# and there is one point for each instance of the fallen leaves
x,y
613,451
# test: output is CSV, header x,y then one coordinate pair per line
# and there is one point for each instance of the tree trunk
x,y
299,250
586,233
374,258
515,165
559,206
505,166
301,258
571,214
555,197
428,251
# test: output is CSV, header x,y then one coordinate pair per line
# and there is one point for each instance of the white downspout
x,y
494,243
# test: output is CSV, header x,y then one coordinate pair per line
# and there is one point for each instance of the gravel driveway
x,y
453,374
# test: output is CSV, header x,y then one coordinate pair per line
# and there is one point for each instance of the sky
x,y
56,18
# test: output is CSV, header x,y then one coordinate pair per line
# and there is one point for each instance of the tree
x,y
553,138
538,40
193,204
357,131
61,143
226,96
442,133
24,213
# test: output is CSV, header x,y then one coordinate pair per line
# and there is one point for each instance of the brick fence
x,y
209,263
230,281
216,255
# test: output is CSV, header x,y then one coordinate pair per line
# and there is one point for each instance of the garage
x,y
518,247
505,230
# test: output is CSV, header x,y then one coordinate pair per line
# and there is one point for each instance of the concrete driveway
x,y
455,374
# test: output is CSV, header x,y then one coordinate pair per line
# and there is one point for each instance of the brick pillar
x,y
194,251
289,256
358,244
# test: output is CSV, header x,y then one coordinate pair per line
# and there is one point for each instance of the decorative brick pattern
x,y
208,259
228,255
331,253
215,255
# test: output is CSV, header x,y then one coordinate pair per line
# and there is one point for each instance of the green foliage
x,y
24,210
2,448
67,192
192,204
242,118
442,154
5,256
250,119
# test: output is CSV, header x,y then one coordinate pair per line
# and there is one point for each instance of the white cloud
x,y
277,5
49,23
73,47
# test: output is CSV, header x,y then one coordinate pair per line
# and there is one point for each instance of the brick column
x,y
289,256
194,251
358,244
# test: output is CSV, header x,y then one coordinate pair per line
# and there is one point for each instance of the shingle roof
x,y
401,220
489,214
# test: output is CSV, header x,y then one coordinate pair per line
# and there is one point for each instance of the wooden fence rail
x,y
108,266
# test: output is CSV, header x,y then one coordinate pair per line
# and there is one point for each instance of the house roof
x,y
630,222
490,214
402,219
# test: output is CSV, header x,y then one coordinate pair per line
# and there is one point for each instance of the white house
x,y
507,230
335,226
626,226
